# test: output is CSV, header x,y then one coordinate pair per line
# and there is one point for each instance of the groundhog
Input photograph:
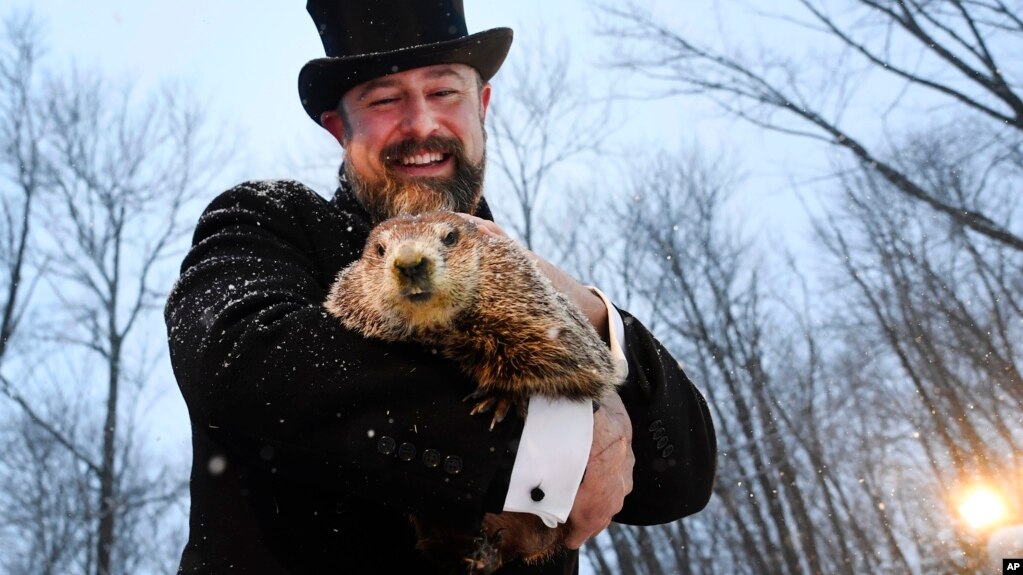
x,y
434,278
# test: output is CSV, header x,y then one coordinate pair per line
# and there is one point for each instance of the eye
x,y
451,238
380,250
379,102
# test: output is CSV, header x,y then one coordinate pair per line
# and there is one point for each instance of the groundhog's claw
x,y
475,565
500,411
486,555
483,405
500,405
503,405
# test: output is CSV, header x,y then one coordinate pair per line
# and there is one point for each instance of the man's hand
x,y
591,305
608,476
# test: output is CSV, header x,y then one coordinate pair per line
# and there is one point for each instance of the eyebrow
x,y
387,82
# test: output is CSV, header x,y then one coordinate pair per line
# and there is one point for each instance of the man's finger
x,y
485,226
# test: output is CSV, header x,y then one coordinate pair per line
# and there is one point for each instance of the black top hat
x,y
366,39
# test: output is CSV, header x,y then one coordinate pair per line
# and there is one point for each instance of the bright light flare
x,y
983,507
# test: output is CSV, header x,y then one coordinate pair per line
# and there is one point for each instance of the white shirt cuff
x,y
555,443
551,459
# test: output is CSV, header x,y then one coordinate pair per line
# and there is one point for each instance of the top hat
x,y
366,39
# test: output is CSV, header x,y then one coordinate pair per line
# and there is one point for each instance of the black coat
x,y
311,443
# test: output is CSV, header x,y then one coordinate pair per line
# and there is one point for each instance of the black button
x,y
657,423
406,452
537,494
660,442
667,451
431,458
659,432
453,464
386,445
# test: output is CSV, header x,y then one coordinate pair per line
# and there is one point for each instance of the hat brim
x,y
323,81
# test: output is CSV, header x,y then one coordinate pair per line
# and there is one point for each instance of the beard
x,y
395,194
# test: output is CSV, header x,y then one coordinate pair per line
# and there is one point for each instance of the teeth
x,y
422,159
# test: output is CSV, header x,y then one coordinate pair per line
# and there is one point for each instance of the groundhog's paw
x,y
486,555
498,402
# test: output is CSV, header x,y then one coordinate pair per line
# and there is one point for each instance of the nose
x,y
412,270
410,263
419,120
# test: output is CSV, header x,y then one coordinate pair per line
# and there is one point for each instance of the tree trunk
x,y
108,496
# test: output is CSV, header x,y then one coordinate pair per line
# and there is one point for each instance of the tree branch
x,y
14,396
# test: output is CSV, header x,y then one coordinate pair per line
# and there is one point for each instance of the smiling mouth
x,y
422,159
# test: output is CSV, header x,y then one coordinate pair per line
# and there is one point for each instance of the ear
x,y
331,121
484,101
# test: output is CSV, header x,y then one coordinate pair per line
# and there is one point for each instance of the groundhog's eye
x,y
380,250
451,238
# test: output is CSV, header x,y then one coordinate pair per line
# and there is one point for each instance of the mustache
x,y
413,146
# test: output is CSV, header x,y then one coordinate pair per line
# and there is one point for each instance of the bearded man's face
x,y
414,141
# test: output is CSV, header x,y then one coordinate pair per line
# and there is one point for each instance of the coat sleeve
x,y
673,435
264,368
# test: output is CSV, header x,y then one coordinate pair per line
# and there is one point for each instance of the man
x,y
312,444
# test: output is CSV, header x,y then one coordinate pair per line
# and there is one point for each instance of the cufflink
x,y
537,494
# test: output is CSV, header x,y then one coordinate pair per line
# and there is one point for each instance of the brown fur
x,y
491,310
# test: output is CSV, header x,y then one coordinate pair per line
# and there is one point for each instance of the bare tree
x,y
23,166
101,177
716,302
671,218
542,119
958,54
784,384
941,309
847,414
124,170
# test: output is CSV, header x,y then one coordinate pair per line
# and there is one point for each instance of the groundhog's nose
x,y
410,262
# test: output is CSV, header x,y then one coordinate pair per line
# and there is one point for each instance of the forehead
x,y
458,72
427,224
